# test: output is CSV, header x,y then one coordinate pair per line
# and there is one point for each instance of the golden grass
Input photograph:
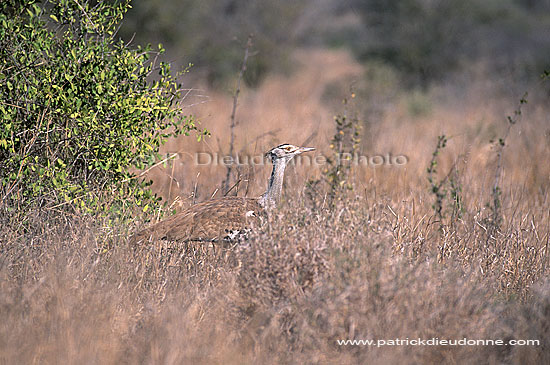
x,y
374,264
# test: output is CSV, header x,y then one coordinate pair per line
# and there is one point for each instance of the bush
x,y
428,40
78,107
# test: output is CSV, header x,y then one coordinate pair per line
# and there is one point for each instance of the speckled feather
x,y
227,218
211,220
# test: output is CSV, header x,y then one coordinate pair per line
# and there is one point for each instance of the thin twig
x,y
233,112
195,188
86,14
171,180
150,168
26,153
232,187
501,143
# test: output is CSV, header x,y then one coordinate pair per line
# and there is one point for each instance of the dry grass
x,y
305,281
374,265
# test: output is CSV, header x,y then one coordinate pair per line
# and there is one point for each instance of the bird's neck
x,y
275,186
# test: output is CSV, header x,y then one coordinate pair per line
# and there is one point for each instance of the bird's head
x,y
286,151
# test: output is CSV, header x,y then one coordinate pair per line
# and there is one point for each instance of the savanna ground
x,y
370,260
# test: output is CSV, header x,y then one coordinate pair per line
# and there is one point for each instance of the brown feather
x,y
211,220
225,218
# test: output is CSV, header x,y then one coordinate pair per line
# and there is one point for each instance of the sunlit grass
x,y
376,264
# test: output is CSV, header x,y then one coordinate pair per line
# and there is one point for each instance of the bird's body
x,y
227,218
212,220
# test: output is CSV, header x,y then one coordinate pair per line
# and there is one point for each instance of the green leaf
x,y
91,87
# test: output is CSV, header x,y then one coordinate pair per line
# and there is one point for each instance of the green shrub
x,y
428,40
79,108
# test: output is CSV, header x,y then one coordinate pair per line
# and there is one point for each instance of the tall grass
x,y
368,266
308,279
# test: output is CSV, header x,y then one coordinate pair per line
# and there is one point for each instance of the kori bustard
x,y
225,218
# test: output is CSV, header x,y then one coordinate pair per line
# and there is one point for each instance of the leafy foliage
x,y
427,40
78,106
337,176
423,41
495,219
446,188
344,145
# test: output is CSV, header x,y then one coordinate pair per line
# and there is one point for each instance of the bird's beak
x,y
305,149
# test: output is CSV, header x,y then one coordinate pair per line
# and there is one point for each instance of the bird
x,y
225,219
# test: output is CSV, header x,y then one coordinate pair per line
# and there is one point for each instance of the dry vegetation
x,y
377,263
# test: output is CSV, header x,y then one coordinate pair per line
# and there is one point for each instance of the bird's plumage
x,y
212,220
226,218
